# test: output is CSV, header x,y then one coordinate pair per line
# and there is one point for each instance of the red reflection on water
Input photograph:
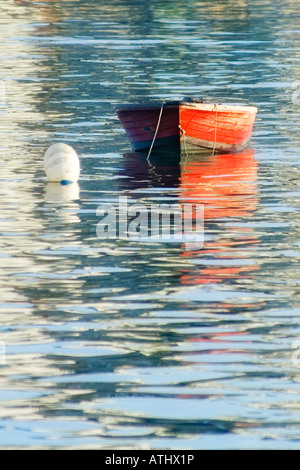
x,y
227,187
226,184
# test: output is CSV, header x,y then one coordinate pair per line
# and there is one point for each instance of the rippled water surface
x,y
119,344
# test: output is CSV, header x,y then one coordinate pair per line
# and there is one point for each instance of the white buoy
x,y
61,164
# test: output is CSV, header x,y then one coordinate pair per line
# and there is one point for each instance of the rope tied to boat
x,y
156,130
215,140
182,134
182,130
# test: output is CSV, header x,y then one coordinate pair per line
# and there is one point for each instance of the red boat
x,y
188,124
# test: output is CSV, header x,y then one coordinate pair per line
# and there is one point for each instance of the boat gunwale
x,y
212,107
220,107
145,106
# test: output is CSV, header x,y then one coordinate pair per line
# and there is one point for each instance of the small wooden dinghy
x,y
188,124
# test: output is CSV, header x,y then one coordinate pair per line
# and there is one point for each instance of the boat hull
x,y
221,128
140,123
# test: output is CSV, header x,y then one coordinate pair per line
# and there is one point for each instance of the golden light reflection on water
x,y
124,342
19,72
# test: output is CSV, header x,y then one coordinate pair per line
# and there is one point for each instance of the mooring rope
x,y
182,134
156,130
215,142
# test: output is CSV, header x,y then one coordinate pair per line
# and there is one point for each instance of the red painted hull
x,y
223,128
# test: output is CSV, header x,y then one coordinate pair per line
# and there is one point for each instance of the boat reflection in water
x,y
226,186
162,170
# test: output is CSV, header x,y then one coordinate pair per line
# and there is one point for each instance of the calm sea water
x,y
120,344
